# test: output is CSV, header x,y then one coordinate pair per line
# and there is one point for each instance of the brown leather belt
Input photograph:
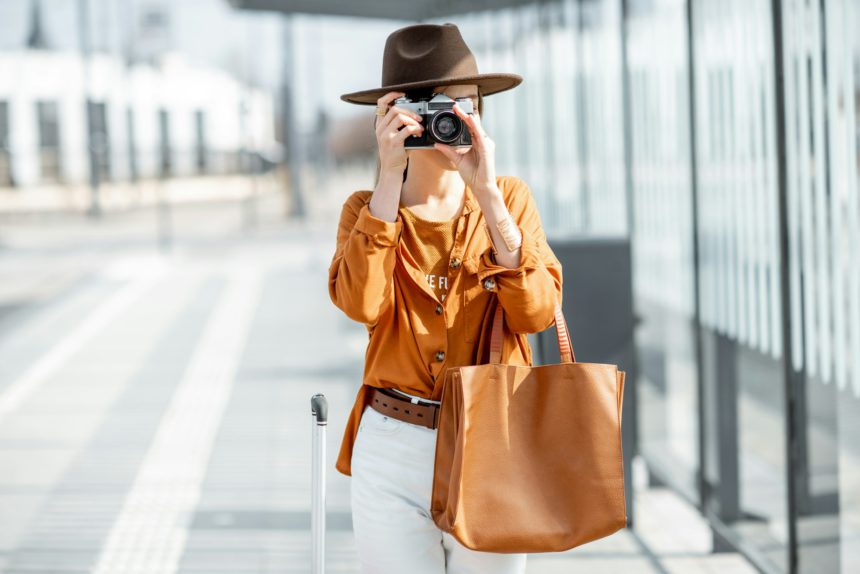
x,y
402,408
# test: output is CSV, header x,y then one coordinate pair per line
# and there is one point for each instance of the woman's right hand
x,y
392,131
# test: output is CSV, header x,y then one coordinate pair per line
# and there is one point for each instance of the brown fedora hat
x,y
428,55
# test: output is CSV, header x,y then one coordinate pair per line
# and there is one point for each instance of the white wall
x,y
174,86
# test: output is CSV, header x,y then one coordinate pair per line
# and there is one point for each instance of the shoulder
x,y
351,209
358,198
355,201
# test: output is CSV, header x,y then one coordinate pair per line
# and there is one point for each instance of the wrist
x,y
487,190
392,173
490,199
391,181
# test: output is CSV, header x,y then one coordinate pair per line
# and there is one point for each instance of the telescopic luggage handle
x,y
319,421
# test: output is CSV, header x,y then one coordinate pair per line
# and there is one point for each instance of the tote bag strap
x,y
565,345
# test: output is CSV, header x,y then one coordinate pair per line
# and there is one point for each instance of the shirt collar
x,y
471,202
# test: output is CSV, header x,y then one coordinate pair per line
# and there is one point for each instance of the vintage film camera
x,y
441,123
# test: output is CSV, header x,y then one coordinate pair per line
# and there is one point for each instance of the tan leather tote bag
x,y
528,459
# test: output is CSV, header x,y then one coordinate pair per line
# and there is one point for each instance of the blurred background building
x,y
151,111
713,144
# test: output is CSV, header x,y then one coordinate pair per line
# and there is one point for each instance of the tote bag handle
x,y
565,345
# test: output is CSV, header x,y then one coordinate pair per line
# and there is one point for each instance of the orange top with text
x,y
375,280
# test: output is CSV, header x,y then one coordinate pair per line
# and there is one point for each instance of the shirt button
x,y
489,284
440,355
455,263
438,309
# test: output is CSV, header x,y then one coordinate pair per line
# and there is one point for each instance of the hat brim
x,y
487,84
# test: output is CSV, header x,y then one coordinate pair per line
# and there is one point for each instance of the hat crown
x,y
422,52
422,56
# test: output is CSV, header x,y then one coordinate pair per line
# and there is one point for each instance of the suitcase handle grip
x,y
319,408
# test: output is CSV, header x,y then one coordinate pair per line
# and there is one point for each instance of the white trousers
x,y
390,487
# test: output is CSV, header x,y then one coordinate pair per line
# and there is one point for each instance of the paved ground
x,y
154,404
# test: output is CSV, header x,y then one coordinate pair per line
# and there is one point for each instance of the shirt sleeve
x,y
361,274
528,293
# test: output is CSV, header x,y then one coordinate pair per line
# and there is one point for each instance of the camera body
x,y
441,123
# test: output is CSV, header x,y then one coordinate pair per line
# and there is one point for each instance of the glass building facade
x,y
721,138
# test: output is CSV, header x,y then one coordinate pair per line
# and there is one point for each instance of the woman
x,y
422,261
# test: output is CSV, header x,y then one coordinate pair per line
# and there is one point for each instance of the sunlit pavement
x,y
154,402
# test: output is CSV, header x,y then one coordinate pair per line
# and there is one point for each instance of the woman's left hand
x,y
476,164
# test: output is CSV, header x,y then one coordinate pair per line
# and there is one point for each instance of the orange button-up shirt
x,y
374,280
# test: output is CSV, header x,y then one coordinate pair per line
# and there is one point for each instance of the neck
x,y
429,183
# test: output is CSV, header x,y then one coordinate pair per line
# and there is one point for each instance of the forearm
x,y
385,201
495,211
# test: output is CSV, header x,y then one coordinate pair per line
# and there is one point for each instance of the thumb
x,y
447,152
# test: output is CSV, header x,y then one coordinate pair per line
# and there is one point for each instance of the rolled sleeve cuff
x,y
530,258
380,231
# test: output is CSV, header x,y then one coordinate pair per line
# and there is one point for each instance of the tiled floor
x,y
154,408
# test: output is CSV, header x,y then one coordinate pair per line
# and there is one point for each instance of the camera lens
x,y
445,127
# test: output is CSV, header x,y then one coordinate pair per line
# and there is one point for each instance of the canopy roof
x,y
386,9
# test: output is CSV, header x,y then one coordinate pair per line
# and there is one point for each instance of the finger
x,y
447,151
383,103
400,122
410,113
400,116
477,132
388,98
475,121
468,119
408,131
473,114
395,122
